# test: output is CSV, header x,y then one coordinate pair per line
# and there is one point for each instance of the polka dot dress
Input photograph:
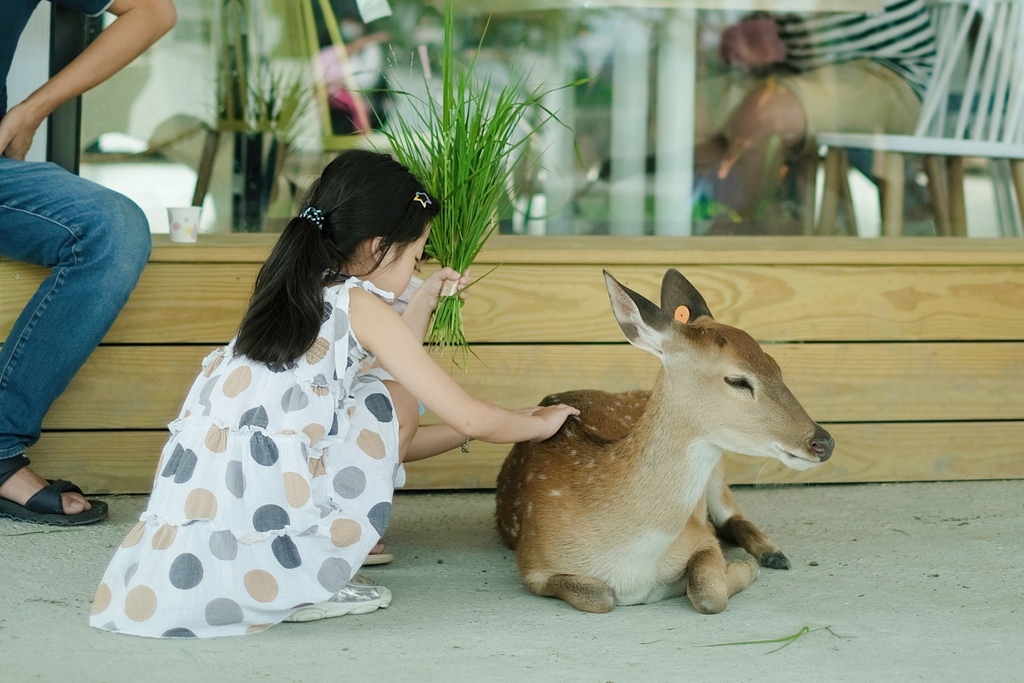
x,y
269,494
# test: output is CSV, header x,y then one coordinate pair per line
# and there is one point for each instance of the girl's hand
x,y
553,417
442,280
421,297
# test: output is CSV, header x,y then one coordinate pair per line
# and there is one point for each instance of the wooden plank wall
x,y
911,352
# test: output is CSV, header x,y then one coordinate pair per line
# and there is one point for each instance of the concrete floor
x,y
916,582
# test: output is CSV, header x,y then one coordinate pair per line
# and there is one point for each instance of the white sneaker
x,y
360,596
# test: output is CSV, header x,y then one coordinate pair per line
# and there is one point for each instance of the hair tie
x,y
423,198
311,213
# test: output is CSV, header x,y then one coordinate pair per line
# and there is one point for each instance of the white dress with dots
x,y
269,494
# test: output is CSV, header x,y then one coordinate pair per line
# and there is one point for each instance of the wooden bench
x,y
910,351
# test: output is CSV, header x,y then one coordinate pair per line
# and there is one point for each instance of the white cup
x,y
183,224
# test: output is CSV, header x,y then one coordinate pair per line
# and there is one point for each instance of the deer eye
x,y
740,383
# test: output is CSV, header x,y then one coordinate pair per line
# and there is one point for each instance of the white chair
x,y
980,61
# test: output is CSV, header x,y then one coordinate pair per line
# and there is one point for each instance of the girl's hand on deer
x,y
553,417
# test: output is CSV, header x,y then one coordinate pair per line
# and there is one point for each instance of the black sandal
x,y
46,507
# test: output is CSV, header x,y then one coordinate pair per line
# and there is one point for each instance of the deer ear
x,y
644,324
676,292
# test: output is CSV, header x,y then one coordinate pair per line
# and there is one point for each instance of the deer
x,y
625,504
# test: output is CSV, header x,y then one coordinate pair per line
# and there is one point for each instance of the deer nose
x,y
822,444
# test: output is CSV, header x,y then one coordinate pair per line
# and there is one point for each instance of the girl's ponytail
x,y
286,309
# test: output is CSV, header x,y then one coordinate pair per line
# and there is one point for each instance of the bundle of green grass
x,y
464,146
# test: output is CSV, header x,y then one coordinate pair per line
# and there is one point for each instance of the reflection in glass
x,y
689,122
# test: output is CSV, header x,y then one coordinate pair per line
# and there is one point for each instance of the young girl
x,y
278,476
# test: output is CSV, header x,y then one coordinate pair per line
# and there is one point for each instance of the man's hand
x,y
17,129
139,24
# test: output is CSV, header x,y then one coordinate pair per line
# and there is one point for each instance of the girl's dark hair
x,y
362,195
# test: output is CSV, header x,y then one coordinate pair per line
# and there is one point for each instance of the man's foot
x,y
27,497
25,483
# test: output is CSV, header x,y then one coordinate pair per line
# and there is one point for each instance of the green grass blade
x,y
786,640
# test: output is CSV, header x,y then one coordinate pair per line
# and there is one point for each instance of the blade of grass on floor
x,y
786,640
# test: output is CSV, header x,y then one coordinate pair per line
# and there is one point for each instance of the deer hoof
x,y
774,560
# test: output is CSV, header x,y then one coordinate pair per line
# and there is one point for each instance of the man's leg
x,y
777,119
96,243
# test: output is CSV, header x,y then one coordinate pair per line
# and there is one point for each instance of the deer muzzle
x,y
822,444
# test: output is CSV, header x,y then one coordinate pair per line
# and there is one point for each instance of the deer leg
x,y
742,532
711,581
585,593
732,526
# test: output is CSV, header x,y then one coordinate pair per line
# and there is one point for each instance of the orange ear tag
x,y
682,314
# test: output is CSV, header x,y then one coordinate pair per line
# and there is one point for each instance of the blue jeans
x,y
96,243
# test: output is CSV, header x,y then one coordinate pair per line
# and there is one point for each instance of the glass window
x,y
686,121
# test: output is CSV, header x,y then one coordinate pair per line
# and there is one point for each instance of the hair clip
x,y
423,198
315,215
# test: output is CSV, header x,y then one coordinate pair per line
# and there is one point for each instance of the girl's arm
x,y
431,440
384,334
